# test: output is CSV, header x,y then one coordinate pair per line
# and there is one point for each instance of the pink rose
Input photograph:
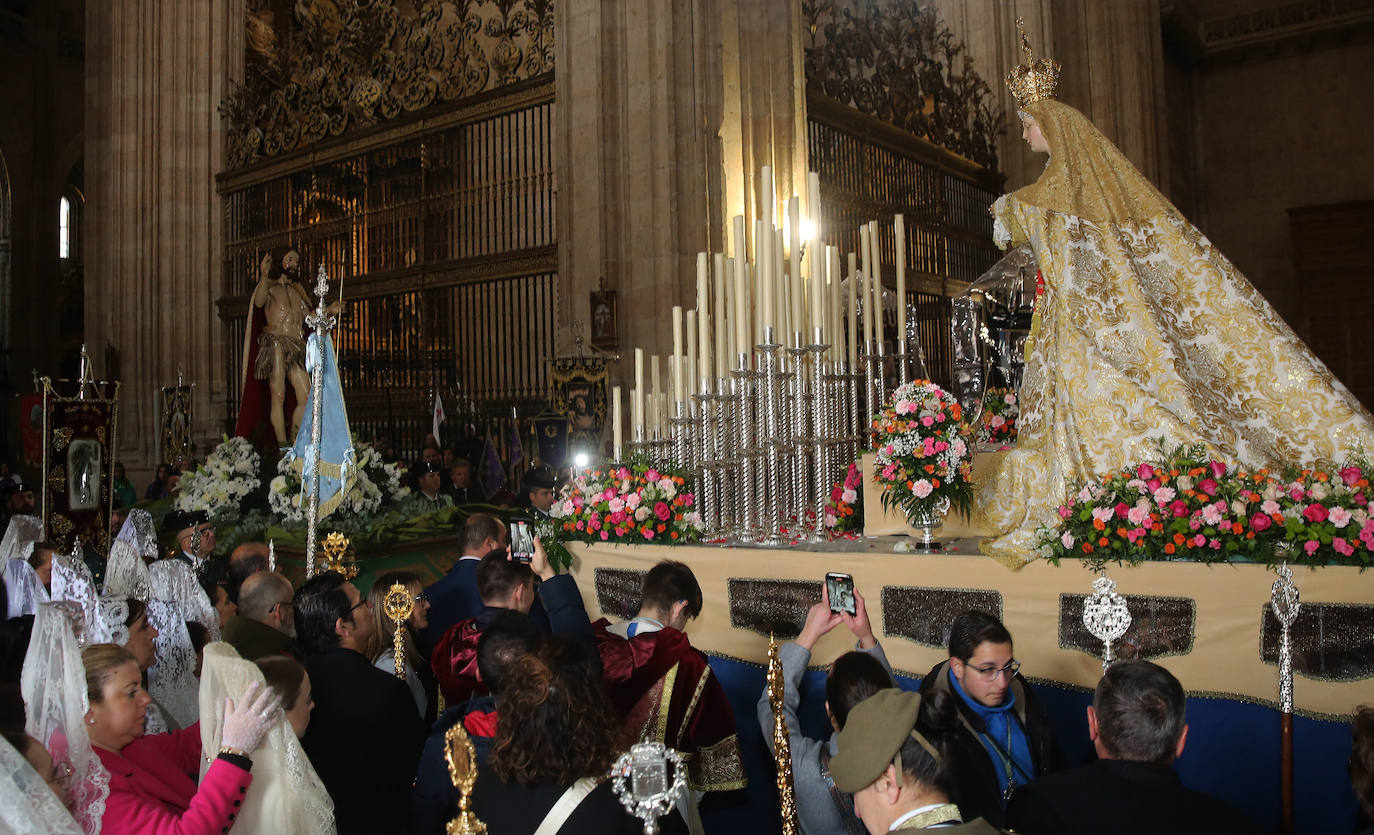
x,y
648,533
662,511
927,421
1066,540
836,492
604,535
1270,506
1351,475
941,446
1208,486
652,475
1315,513
1199,540
1342,547
1218,469
1311,546
1144,472
1260,522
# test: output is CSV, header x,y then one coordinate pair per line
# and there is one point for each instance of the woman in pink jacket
x,y
152,787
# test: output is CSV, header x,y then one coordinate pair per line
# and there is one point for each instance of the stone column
x,y
666,112
156,71
1113,71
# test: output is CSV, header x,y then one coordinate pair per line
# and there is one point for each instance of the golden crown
x,y
1037,78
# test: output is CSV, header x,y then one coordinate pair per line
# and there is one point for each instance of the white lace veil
x,y
286,795
173,581
172,678
27,805
126,574
102,618
53,685
23,588
20,536
138,531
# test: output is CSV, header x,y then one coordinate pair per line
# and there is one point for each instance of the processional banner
x,y
79,436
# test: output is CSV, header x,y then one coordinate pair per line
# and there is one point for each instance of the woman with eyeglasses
x,y
1004,739
419,676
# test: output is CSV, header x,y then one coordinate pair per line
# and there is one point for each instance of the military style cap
x,y
179,520
426,467
9,488
539,477
873,734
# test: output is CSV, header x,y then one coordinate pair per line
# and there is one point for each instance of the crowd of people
x,y
195,693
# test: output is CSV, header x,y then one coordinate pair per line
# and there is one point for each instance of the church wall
x,y
1275,134
40,135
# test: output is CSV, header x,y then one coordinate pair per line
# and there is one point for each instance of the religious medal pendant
x,y
1006,793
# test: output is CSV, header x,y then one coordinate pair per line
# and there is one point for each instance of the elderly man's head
x,y
266,598
1138,714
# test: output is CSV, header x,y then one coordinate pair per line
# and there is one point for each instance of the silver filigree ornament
x,y
1283,601
1106,616
640,779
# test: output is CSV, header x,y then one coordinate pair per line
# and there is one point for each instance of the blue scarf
x,y
1003,727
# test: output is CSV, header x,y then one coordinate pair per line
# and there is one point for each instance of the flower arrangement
x,y
923,450
220,485
844,510
1001,411
377,483
631,503
1187,505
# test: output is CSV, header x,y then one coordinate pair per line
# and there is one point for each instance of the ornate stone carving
x,y
895,60
339,65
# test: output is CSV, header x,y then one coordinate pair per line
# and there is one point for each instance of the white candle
x,y
702,331
769,206
853,315
864,293
693,359
656,397
763,251
615,424
832,305
638,394
677,352
877,282
741,313
795,285
899,227
722,332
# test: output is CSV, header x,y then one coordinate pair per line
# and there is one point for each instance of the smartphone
x,y
840,588
521,541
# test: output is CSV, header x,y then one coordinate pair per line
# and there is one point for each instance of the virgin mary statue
x,y
1144,330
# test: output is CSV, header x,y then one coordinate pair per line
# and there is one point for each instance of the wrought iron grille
x,y
870,170
442,234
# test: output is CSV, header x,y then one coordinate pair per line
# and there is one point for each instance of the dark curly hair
x,y
555,724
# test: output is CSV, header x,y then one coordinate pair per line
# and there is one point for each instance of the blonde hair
x,y
386,627
100,661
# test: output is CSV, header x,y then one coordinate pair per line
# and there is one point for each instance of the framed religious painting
x,y
579,394
603,311
176,422
79,436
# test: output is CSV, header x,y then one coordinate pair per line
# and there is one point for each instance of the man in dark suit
x,y
195,545
1137,725
454,596
265,623
365,734
1004,737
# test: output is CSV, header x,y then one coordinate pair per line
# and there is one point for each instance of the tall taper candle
x,y
615,425
677,352
853,315
722,323
692,360
899,227
656,397
876,251
741,313
864,286
638,393
702,368
797,320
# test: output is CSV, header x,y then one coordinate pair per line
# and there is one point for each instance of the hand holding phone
x,y
839,588
521,541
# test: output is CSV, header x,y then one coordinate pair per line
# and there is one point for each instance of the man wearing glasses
x,y
1005,737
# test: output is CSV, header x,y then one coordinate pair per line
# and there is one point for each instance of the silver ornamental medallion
x,y
1106,616
640,778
